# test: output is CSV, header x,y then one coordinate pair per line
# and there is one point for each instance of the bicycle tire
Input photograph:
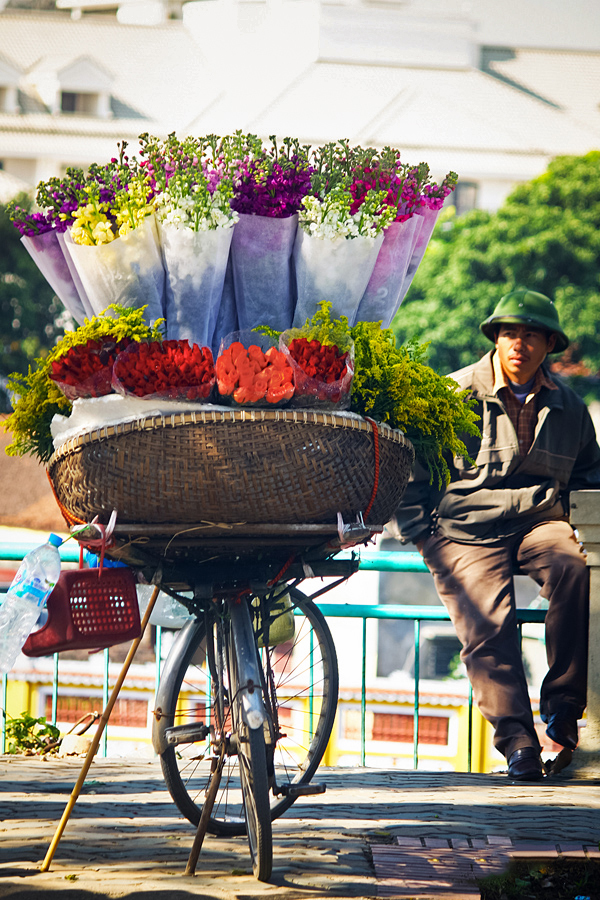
x,y
308,713
251,756
255,791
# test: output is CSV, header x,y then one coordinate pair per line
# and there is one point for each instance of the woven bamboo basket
x,y
242,467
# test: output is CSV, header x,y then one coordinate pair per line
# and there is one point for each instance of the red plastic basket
x,y
88,609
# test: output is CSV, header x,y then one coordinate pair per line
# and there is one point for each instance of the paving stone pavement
x,y
372,834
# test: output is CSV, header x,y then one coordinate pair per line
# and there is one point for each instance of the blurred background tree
x,y
546,237
31,316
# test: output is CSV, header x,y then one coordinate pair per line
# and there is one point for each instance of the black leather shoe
x,y
525,765
562,729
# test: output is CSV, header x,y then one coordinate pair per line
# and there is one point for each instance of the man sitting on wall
x,y
507,513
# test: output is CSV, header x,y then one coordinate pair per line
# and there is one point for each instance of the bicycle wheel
x,y
303,687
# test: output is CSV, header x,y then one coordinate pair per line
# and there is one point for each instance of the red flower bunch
x,y
173,369
249,375
325,362
86,369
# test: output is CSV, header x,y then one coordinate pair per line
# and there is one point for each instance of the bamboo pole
x,y
96,741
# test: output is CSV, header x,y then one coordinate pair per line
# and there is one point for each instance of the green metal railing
x,y
370,561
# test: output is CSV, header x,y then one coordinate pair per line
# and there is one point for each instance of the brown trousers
x,y
475,583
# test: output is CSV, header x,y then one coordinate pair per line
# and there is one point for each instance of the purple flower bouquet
x,y
268,193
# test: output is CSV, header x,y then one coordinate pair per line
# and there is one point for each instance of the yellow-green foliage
x,y
37,398
392,384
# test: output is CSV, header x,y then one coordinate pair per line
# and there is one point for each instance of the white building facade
x,y
493,94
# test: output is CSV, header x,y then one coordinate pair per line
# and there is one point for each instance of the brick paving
x,y
423,867
374,833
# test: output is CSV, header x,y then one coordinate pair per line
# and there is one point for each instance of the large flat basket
x,y
240,468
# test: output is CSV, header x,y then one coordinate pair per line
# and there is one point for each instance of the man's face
x,y
522,349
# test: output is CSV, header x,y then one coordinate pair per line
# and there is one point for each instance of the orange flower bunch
x,y
249,375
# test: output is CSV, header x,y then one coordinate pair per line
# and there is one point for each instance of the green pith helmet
x,y
525,307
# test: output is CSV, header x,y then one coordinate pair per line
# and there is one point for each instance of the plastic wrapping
x,y
227,319
46,251
89,312
195,263
97,385
167,612
85,371
261,255
261,376
128,271
429,217
385,290
314,392
171,370
336,270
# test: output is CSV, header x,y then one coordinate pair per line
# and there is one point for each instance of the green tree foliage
x,y
545,237
30,314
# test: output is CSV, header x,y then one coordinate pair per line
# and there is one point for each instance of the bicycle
x,y
246,706
238,508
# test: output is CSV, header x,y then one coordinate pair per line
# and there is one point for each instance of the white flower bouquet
x,y
195,224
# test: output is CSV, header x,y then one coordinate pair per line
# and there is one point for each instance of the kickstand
x,y
207,809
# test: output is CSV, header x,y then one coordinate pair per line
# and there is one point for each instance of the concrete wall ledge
x,y
585,517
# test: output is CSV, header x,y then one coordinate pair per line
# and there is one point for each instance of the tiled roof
x,y
427,113
158,71
571,80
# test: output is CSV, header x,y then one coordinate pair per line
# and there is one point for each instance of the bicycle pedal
x,y
300,790
187,734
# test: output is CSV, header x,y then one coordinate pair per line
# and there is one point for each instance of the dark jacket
x,y
505,493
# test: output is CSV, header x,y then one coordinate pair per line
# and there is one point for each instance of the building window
x,y
465,197
77,103
397,728
127,712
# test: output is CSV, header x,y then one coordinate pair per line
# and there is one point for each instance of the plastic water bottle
x,y
26,598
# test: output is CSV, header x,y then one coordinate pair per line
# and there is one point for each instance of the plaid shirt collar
x,y
501,381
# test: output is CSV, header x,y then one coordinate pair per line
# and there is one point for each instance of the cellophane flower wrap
x,y
227,317
253,372
165,370
322,372
41,234
86,370
112,239
321,354
417,202
268,190
339,237
195,224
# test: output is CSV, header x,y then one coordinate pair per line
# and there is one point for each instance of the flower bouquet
x,y
165,370
43,238
322,372
415,202
268,191
86,369
363,231
251,371
113,242
192,189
